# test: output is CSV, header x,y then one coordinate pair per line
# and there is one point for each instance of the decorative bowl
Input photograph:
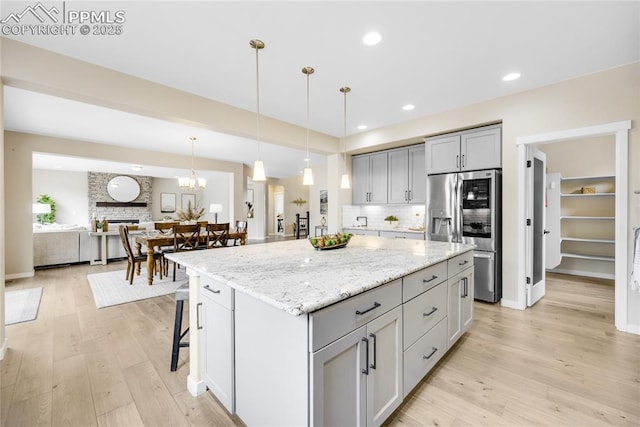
x,y
330,241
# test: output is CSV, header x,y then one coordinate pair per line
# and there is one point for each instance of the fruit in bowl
x,y
331,241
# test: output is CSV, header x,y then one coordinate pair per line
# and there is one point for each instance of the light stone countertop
x,y
294,277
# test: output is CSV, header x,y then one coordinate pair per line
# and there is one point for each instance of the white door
x,y
535,235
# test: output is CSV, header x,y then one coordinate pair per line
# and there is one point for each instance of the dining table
x,y
154,239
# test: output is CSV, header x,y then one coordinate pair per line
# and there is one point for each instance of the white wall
x,y
68,189
216,191
3,339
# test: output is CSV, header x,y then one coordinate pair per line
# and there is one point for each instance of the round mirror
x,y
123,189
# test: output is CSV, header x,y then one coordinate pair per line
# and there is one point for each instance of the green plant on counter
x,y
391,218
50,217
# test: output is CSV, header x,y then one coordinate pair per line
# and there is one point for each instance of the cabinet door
x,y
384,382
460,310
218,350
466,306
361,171
481,149
378,178
417,176
443,154
338,385
398,177
454,286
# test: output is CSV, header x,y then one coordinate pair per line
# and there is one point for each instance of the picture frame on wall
x,y
167,202
324,202
186,198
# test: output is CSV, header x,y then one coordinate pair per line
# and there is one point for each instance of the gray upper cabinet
x,y
369,179
465,151
406,175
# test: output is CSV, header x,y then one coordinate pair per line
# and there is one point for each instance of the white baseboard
x,y
19,275
4,348
584,273
196,388
633,329
510,304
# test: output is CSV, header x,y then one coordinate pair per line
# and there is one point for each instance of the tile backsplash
x,y
408,215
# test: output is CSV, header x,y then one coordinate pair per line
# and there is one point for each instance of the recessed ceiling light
x,y
362,127
408,107
511,76
372,38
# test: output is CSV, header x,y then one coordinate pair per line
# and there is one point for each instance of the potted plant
x,y
392,221
190,214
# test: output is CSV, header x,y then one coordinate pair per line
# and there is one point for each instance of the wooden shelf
x,y
586,240
610,218
588,195
588,178
589,257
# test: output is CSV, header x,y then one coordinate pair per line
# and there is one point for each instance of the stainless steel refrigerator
x,y
466,208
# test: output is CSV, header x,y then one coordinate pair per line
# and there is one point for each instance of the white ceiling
x,y
435,55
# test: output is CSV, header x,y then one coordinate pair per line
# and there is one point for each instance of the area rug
x,y
21,306
111,288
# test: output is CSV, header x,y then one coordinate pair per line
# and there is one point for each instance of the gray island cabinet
x,y
283,334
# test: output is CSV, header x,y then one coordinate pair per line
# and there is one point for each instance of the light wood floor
x,y
560,363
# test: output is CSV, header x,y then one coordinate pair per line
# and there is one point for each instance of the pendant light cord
x,y
345,132
258,101
308,120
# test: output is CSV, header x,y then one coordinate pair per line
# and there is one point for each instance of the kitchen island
x,y
284,334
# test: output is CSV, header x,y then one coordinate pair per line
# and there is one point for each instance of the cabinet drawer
x,y
217,292
423,312
416,283
330,323
459,263
401,235
420,357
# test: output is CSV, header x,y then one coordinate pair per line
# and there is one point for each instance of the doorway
x,y
278,204
620,131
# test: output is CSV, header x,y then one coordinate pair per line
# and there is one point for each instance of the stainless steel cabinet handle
x,y
373,365
463,161
434,277
217,291
433,351
458,161
406,195
365,370
466,261
410,196
375,305
465,287
198,324
400,237
433,310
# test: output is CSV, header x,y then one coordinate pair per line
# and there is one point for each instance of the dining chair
x,y
240,233
164,227
217,235
186,237
136,259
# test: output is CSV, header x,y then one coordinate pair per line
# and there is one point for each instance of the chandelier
x,y
192,182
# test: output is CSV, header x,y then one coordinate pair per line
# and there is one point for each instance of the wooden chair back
x,y
203,224
124,238
217,235
164,227
186,237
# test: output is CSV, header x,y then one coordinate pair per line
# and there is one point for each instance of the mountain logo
x,y
38,11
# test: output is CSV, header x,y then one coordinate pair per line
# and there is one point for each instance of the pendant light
x,y
344,181
307,178
192,182
258,166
